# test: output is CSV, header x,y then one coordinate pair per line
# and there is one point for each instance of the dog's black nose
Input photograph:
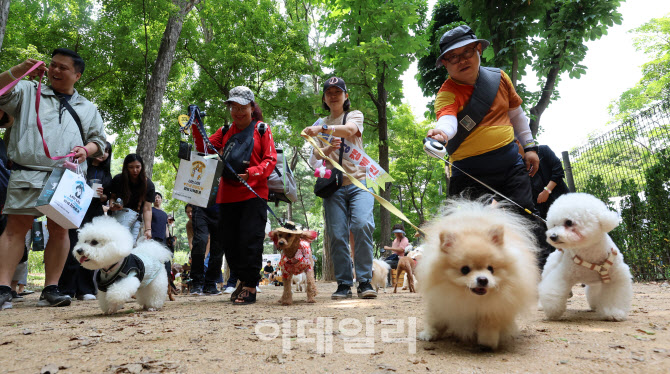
x,y
80,251
482,281
553,237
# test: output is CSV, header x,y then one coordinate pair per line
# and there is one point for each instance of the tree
x,y
146,144
376,42
545,35
654,39
4,13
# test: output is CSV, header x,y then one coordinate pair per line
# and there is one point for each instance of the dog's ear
x,y
608,220
496,234
447,240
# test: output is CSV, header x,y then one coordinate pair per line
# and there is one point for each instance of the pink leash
x,y
8,87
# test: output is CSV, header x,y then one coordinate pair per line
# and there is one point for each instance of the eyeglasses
x,y
238,108
455,59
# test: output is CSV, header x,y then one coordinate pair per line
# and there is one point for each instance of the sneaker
x,y
343,292
5,297
365,291
211,291
229,290
196,291
258,289
16,297
86,297
52,297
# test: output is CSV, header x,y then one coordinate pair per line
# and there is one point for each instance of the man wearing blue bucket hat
x,y
478,115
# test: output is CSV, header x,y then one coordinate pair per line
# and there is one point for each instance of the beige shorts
x,y
23,190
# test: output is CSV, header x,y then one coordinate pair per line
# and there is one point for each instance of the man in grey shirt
x,y
30,165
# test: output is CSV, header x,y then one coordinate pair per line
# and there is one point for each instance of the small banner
x,y
197,180
65,198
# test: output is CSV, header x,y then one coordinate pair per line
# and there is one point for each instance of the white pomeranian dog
x,y
478,273
578,224
300,282
106,245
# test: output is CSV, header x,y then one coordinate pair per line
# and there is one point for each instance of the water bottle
x,y
119,203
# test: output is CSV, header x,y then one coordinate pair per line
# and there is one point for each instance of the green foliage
x,y
653,39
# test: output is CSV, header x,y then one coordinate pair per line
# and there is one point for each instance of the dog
x,y
415,255
408,265
478,273
185,275
296,259
380,271
106,245
578,224
300,281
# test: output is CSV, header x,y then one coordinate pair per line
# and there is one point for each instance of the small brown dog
x,y
296,259
408,265
184,274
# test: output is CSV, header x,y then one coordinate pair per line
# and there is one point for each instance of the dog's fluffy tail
x,y
153,249
382,264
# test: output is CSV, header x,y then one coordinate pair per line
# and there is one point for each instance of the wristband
x,y
10,73
547,189
145,230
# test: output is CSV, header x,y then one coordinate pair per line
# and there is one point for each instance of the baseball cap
x,y
241,95
334,82
456,38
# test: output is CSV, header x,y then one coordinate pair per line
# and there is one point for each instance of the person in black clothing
x,y
268,270
136,193
159,221
75,280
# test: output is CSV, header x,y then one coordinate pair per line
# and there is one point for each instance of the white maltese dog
x,y
478,273
578,225
106,245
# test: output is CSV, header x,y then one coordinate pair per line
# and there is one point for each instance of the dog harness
x,y
300,263
603,269
131,266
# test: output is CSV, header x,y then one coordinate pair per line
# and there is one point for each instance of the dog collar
x,y
602,269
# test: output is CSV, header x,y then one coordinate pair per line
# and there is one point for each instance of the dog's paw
x,y
614,315
428,335
283,301
311,301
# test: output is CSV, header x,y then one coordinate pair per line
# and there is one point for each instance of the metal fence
x,y
629,167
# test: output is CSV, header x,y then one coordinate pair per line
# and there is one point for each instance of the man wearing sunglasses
x,y
484,148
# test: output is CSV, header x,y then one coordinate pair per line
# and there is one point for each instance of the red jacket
x,y
263,161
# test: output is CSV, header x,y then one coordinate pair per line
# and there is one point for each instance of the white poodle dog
x,y
578,225
106,245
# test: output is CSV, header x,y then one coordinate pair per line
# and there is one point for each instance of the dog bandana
x,y
300,263
131,266
603,270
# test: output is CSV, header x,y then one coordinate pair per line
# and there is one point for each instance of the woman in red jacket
x,y
242,214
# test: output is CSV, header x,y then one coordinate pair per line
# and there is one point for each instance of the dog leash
x,y
8,87
197,120
436,149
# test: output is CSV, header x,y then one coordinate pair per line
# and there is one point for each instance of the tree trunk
x,y
327,269
146,143
4,14
545,98
384,215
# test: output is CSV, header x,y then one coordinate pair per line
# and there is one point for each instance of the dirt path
x,y
209,335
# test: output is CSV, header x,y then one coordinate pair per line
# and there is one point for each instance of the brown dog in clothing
x,y
296,259
408,265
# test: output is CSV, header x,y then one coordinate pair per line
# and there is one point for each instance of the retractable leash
x,y
195,118
68,164
435,148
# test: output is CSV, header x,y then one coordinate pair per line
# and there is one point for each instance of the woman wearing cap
x,y
242,214
349,208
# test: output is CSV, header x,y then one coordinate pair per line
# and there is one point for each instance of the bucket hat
x,y
456,38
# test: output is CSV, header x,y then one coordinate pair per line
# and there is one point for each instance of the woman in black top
x,y
75,280
136,193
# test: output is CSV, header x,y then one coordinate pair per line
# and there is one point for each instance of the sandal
x,y
245,297
237,291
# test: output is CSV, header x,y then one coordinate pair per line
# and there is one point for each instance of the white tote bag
x,y
197,180
65,198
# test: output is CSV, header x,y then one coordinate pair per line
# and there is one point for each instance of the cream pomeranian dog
x,y
106,245
578,225
478,273
380,272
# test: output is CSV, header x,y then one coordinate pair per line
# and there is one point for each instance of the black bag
x,y
326,187
185,149
237,152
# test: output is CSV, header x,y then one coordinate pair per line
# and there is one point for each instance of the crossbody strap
x,y
485,91
74,115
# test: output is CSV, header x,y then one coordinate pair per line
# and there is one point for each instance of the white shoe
x,y
229,290
6,305
258,289
88,297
